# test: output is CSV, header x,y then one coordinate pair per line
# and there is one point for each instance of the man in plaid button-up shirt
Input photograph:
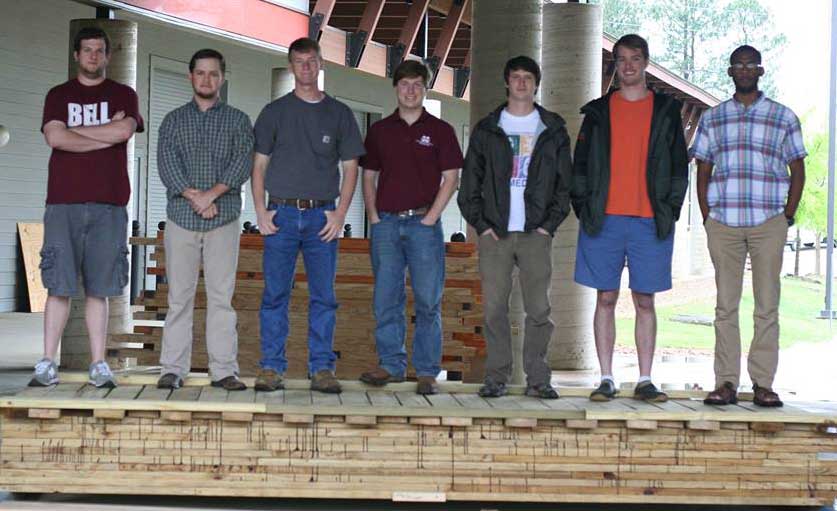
x,y
744,147
204,156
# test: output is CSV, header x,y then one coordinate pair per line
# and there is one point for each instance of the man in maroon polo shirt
x,y
410,171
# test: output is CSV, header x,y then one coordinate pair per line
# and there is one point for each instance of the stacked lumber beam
x,y
354,340
393,444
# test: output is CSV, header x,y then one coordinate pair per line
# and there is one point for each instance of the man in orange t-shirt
x,y
630,176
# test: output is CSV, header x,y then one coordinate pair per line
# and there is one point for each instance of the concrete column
x,y
281,82
500,30
75,346
572,76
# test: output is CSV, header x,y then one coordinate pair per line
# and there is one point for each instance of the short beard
x,y
100,72
206,96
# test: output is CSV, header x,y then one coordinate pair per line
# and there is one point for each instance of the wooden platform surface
x,y
398,400
393,444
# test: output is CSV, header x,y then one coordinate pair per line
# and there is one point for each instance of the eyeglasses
x,y
749,66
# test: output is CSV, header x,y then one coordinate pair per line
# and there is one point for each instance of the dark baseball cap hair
x,y
411,69
304,45
90,33
522,62
208,53
634,42
745,48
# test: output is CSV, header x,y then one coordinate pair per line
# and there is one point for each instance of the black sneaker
x,y
542,391
607,390
646,391
493,388
170,381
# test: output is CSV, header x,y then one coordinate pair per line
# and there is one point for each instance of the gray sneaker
x,y
101,375
46,374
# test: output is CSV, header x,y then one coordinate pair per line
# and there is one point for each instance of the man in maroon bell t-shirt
x,y
410,171
87,123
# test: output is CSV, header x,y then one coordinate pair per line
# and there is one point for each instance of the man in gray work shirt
x,y
204,156
300,138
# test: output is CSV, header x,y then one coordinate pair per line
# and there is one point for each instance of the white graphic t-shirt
x,y
523,133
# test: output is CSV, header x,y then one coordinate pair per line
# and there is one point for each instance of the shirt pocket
x,y
324,143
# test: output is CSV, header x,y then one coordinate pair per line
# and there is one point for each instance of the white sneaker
x,y
101,375
46,374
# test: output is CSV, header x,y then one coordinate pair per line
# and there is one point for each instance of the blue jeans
x,y
397,244
298,230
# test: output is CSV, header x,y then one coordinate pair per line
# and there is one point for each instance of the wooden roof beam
x,y
444,7
356,41
445,40
397,52
319,18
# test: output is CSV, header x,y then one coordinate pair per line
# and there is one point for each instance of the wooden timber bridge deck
x,y
393,444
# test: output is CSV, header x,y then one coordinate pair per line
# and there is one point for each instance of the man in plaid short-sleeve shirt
x,y
744,147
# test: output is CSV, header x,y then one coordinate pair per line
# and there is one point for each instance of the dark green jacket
x,y
484,191
667,172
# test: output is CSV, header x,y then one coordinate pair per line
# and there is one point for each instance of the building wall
x,y
33,58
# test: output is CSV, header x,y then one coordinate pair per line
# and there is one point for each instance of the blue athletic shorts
x,y
625,239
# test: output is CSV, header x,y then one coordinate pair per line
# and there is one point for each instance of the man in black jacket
x,y
629,179
515,193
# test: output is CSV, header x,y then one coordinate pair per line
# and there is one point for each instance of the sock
x,y
643,379
608,377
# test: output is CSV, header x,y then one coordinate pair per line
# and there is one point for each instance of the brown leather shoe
x,y
764,396
723,395
231,383
426,385
268,380
379,377
325,381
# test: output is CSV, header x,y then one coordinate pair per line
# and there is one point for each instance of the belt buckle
x,y
407,213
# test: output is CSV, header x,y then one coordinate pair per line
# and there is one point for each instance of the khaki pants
x,y
728,247
185,251
532,253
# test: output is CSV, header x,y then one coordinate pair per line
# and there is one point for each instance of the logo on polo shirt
x,y
326,139
425,141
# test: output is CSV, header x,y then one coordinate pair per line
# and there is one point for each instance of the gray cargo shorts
x,y
85,240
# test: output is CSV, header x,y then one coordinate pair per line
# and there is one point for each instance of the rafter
x,y
397,52
445,40
356,41
319,17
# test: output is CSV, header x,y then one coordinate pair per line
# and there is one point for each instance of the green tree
x,y
750,23
621,17
694,38
689,28
812,213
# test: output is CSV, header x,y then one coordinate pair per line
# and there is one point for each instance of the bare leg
x,y
645,331
56,312
604,328
96,317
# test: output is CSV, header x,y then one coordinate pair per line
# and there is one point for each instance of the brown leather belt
x,y
410,212
302,203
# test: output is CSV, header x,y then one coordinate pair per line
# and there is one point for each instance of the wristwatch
x,y
790,220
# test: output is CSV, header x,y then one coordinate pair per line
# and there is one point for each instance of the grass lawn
x,y
800,305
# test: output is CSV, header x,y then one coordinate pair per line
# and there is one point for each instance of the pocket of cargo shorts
x,y
49,267
121,268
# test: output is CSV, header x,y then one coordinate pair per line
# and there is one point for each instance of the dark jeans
x,y
399,243
298,230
